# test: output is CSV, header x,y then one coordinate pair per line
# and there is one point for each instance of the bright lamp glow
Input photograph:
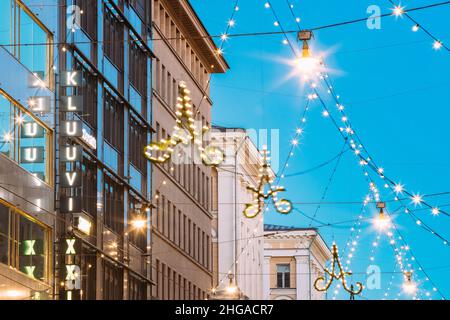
x,y
382,222
139,223
409,287
307,65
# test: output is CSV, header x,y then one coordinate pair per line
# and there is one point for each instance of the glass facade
x,y
25,38
24,139
24,244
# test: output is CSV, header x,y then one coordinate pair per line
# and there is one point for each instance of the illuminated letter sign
x,y
71,153
29,271
71,179
31,130
71,129
82,224
40,104
71,78
72,280
71,104
70,204
32,155
70,246
29,247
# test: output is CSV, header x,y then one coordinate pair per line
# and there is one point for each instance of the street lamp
x,y
307,63
381,222
409,286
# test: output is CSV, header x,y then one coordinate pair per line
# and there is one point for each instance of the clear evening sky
x,y
395,87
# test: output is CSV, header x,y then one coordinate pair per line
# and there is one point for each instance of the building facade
x,y
75,117
27,218
235,237
181,220
293,259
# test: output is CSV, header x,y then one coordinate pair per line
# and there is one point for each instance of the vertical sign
x,y
71,154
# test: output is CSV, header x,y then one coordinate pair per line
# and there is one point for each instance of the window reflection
x,y
17,28
23,139
23,244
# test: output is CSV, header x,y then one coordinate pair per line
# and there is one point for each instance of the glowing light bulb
x,y
437,45
409,286
139,223
224,37
415,28
231,23
398,188
398,11
417,199
7,137
435,211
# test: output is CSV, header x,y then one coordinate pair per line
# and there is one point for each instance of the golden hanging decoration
x,y
338,276
259,195
185,132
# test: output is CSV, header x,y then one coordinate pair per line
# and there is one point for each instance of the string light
x,y
398,10
340,276
437,45
253,209
184,132
409,286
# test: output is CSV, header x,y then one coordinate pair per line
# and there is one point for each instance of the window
x,y
113,38
113,123
24,244
138,237
89,196
88,91
137,289
89,17
283,276
137,143
113,197
89,274
18,26
113,132
24,139
112,282
138,67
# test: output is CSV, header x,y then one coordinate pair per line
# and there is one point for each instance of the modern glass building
x,y
75,116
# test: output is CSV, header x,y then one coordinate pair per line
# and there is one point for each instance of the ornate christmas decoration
x,y
185,132
259,194
338,276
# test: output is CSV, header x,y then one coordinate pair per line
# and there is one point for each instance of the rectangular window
x,y
24,139
137,236
89,274
137,289
112,282
113,38
113,198
138,67
113,122
89,17
26,38
283,276
89,196
88,92
24,244
137,142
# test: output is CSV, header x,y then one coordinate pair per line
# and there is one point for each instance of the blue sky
x,y
396,91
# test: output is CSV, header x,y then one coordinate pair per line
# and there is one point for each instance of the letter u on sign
x,y
71,153
71,129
